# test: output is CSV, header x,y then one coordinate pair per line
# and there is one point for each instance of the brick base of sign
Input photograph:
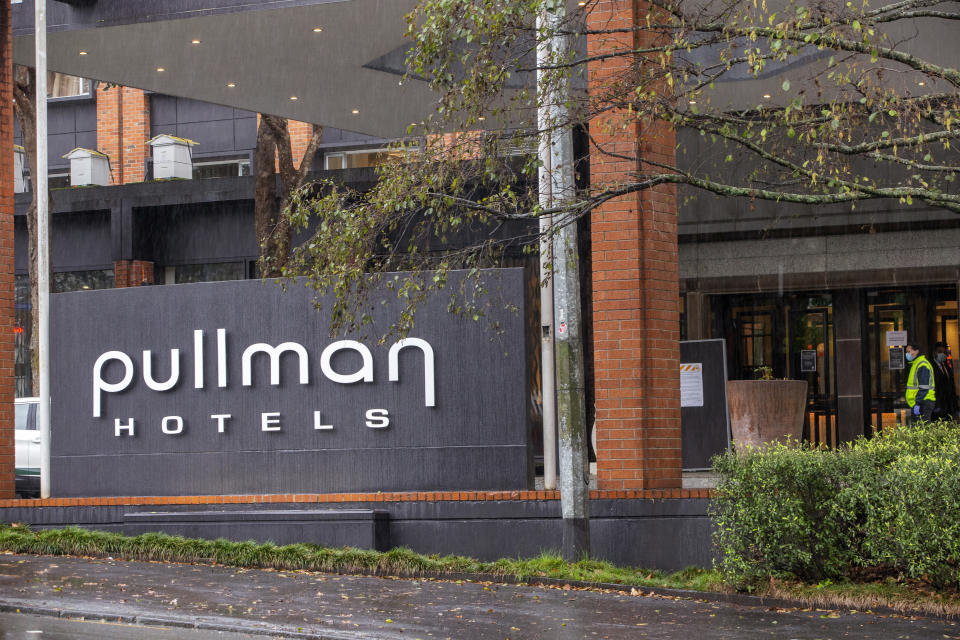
x,y
658,529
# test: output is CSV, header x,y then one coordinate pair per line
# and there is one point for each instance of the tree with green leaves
x,y
826,104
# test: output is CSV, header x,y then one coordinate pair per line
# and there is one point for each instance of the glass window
x,y
64,281
221,169
60,85
21,416
58,181
214,272
361,158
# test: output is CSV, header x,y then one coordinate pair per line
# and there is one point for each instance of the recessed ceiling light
x,y
582,3
195,41
294,98
231,85
766,96
355,111
482,118
83,53
317,29
922,83
160,69
693,102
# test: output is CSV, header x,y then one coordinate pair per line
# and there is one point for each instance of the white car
x,y
28,448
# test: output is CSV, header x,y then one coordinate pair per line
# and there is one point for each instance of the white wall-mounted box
x,y
19,161
88,167
172,157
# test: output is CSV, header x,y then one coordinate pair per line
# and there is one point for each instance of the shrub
x,y
890,504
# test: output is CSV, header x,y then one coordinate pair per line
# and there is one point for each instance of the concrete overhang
x,y
347,75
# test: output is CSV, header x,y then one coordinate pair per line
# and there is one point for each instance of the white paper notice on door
x,y
691,384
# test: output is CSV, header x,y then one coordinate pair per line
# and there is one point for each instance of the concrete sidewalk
x,y
315,605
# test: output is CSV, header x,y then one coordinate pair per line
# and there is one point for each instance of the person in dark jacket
x,y
946,404
920,396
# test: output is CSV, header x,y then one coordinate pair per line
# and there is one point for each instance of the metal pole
x,y
571,409
43,249
548,385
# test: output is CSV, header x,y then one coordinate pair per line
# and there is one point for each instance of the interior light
x,y
160,69
355,111
231,85
294,98
195,41
83,53
317,29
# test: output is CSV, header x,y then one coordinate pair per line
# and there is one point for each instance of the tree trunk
x,y
25,106
272,227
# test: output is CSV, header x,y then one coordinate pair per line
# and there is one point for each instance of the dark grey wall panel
x,y
79,242
72,123
212,136
212,126
245,133
474,438
84,241
196,233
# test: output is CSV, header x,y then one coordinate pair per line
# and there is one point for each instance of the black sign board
x,y
237,387
705,428
896,358
808,361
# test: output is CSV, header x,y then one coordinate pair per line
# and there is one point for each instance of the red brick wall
x,y
636,282
123,128
300,133
132,273
7,385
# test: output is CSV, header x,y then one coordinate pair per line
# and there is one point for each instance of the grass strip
x,y
403,562
310,557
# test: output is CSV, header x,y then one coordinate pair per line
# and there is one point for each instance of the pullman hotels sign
x,y
236,387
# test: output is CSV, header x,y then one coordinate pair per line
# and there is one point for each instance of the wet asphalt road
x,y
305,604
18,626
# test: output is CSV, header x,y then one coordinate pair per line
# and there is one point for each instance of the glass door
x,y
887,386
812,359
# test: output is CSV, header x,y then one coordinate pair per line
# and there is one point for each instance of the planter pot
x,y
763,411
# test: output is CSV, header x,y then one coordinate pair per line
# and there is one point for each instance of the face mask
x,y
910,357
941,357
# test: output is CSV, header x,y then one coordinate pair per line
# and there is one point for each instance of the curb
x,y
150,620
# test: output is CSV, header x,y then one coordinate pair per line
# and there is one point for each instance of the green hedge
x,y
889,505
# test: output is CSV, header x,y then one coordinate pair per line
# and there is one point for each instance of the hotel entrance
x,y
928,315
792,337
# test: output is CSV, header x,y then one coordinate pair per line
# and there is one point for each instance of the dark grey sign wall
x,y
475,437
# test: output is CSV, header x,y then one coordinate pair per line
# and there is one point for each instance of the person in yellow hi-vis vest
x,y
920,395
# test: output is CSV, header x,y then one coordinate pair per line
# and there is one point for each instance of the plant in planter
x,y
765,410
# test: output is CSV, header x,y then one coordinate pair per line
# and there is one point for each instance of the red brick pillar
x,y
132,273
123,128
636,317
7,342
